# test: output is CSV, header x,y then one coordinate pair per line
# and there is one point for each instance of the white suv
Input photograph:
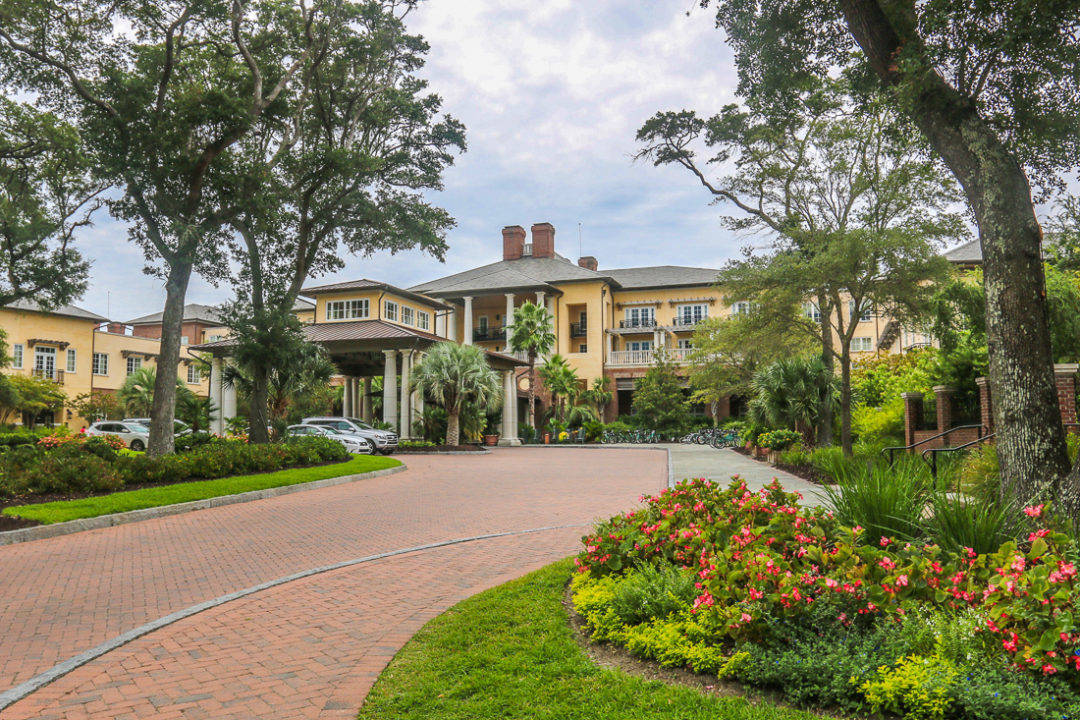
x,y
134,435
386,442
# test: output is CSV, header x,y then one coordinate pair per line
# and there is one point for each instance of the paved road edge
x,y
41,532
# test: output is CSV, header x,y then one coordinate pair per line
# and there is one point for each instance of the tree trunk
x,y
172,325
532,391
825,418
258,433
1030,437
453,426
845,401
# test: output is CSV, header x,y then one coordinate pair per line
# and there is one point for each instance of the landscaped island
x,y
60,478
752,587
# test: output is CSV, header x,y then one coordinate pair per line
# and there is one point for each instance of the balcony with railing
x,y
648,323
636,358
56,376
491,332
579,330
686,322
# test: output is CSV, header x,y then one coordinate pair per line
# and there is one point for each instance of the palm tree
x,y
137,392
599,395
306,374
534,335
195,410
788,393
454,375
562,381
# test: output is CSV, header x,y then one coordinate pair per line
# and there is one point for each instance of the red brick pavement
x,y
312,647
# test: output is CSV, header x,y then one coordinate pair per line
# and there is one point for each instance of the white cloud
x,y
551,94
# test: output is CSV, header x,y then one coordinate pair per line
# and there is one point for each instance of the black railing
x,y
682,321
579,329
638,323
489,333
934,452
889,451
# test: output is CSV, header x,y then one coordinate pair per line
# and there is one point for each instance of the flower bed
x,y
755,588
77,465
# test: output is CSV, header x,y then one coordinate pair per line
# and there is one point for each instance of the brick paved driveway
x,y
312,647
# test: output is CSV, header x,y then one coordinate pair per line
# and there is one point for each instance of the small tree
x,y
97,405
788,394
534,335
561,380
34,395
455,375
137,392
659,401
599,395
300,379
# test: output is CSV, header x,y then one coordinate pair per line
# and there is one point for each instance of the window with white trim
x,y
134,364
45,361
101,364
639,345
347,309
862,344
391,310
812,312
17,356
408,315
194,375
867,313
693,314
740,308
643,316
72,360
686,344
423,320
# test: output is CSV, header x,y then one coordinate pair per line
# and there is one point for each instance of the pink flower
x,y
885,541
746,617
1034,510
886,563
902,581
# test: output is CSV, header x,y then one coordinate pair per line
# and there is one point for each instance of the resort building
x,y
82,353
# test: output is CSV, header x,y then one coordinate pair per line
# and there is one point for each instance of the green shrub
x,y
777,439
618,426
880,426
978,473
17,438
594,430
886,502
959,523
653,591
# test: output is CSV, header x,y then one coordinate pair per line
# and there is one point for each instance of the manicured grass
x,y
509,653
61,511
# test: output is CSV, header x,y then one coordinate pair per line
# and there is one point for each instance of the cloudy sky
x,y
551,94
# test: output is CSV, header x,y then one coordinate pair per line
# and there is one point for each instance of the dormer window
x,y
347,309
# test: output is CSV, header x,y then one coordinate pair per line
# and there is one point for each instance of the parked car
x,y
386,442
355,445
134,435
179,426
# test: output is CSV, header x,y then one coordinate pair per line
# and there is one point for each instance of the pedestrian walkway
x,y
704,461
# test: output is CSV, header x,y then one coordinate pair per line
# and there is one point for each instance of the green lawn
x,y
509,653
54,512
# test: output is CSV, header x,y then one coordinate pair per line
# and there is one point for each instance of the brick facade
x,y
912,415
513,242
543,240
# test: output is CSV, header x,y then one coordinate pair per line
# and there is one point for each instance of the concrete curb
x,y
13,695
40,532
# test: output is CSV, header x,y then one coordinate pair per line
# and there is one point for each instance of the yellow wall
x,y
377,308
114,345
590,297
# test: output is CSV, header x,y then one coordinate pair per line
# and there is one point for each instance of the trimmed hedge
x,y
91,465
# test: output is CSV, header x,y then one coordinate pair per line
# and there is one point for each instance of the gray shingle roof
x,y
528,272
68,310
193,312
663,276
968,253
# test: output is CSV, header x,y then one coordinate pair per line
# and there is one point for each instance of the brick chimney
x,y
513,242
588,262
543,240
114,327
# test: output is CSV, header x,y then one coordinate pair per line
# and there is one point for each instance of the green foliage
x,y
979,473
788,394
29,396
97,405
886,502
659,403
879,425
652,591
959,523
778,439
455,376
879,380
137,392
87,465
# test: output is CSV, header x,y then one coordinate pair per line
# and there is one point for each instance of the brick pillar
x,y
912,415
1065,380
943,399
986,407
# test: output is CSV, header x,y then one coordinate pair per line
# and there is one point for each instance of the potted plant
x,y
491,440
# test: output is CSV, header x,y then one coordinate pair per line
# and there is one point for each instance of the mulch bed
x,y
438,449
14,523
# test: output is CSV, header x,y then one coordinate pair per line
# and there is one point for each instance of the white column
x,y
217,423
440,324
365,400
406,395
509,319
346,397
468,329
509,410
451,325
228,401
540,298
389,393
610,345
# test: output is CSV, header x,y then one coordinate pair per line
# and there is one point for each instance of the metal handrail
x,y
890,450
933,452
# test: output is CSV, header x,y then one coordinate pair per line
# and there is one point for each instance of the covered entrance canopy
x,y
361,350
